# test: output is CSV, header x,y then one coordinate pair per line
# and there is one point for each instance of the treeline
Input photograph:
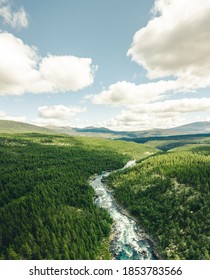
x,y
46,205
170,195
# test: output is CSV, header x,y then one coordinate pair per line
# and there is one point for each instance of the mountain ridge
x,y
7,126
191,128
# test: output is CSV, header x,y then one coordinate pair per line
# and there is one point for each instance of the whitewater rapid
x,y
127,241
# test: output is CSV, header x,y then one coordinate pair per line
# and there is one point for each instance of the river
x,y
127,242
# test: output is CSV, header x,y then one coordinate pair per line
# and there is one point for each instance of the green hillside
x,y
169,194
18,127
166,143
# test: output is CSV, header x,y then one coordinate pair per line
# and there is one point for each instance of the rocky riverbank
x,y
127,240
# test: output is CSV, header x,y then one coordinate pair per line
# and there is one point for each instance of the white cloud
x,y
176,42
66,72
125,93
131,121
4,116
22,70
15,118
165,114
59,111
58,115
18,65
180,106
51,122
16,19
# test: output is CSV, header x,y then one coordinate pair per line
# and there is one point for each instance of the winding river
x,y
128,242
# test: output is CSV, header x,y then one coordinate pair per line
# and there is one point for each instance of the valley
x,y
47,203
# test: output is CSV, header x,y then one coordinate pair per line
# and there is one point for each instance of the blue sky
x,y
126,65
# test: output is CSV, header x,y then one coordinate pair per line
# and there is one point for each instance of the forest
x,y
46,205
169,194
47,208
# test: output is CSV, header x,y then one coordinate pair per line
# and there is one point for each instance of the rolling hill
x,y
192,128
91,131
44,180
19,127
102,132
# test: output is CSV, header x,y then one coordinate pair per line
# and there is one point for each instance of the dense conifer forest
x,y
46,204
47,208
169,193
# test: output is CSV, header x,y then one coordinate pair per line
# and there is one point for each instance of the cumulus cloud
x,y
66,72
22,70
131,121
16,19
176,42
185,105
165,114
126,93
59,111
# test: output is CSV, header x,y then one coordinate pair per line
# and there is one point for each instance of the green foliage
x,y
171,142
130,150
46,204
170,195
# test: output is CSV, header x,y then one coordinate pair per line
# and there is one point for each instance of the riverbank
x,y
127,240
142,233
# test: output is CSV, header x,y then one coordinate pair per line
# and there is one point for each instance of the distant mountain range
x,y
192,128
91,131
18,127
